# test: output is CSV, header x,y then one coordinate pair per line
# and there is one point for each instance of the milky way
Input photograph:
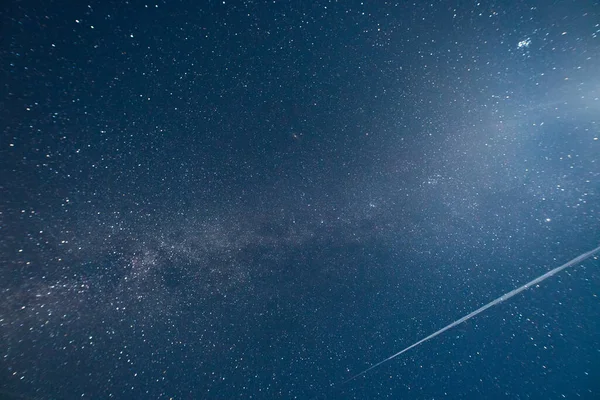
x,y
261,199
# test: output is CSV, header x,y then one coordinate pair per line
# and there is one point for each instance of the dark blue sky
x,y
248,199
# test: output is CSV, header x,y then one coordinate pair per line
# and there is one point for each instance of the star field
x,y
260,199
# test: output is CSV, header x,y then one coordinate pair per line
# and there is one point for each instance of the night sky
x,y
260,199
